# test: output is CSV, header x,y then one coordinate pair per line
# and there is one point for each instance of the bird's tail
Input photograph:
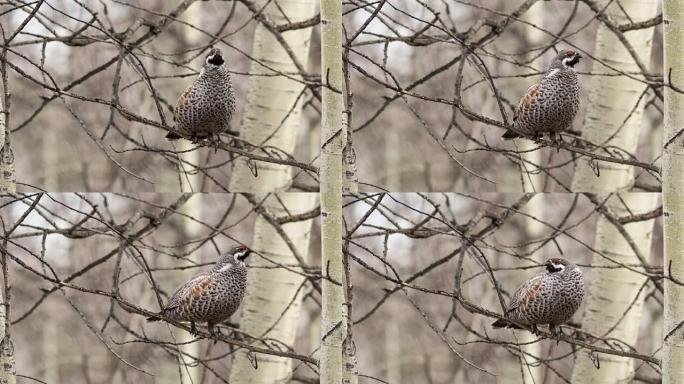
x,y
154,318
510,135
173,136
501,323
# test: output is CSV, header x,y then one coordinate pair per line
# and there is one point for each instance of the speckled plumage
x,y
207,105
552,103
212,296
551,298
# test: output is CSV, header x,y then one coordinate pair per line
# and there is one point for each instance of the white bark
x,y
8,374
613,98
532,181
673,200
7,174
274,295
190,181
192,372
272,113
604,313
333,312
532,371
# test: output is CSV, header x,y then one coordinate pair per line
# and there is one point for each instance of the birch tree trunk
x,y
192,372
274,295
604,313
333,313
532,182
8,374
190,181
274,103
532,371
673,200
613,98
8,181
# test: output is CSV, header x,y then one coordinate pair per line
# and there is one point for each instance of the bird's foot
x,y
193,329
214,332
556,332
556,140
216,142
535,330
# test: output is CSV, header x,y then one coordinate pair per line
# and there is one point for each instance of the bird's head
x,y
556,264
236,256
566,58
214,58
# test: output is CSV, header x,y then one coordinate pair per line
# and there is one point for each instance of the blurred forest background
x,y
415,317
112,249
429,88
434,327
418,71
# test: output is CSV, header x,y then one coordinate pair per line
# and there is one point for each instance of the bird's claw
x,y
216,142
556,333
193,329
556,140
535,330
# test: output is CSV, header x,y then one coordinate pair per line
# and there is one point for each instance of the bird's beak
x,y
244,255
216,58
576,59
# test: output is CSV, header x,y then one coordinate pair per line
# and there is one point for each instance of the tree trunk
x,y
613,98
604,314
274,295
532,371
8,181
8,374
532,181
673,200
192,372
333,312
274,103
190,181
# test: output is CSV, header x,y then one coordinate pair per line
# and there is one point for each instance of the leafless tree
x,y
442,76
98,265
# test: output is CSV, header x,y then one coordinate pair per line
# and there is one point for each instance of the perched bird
x,y
205,108
552,103
548,298
212,296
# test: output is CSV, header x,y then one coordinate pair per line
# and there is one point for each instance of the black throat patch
x,y
216,60
574,61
